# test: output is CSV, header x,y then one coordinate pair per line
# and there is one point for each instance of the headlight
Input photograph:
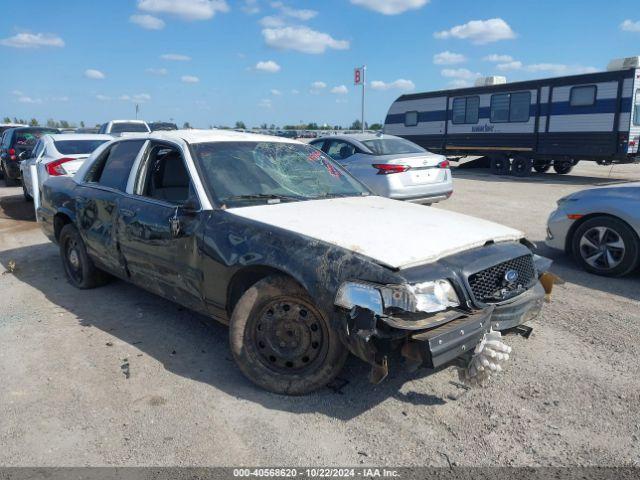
x,y
428,297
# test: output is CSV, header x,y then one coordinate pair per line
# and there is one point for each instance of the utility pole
x,y
137,110
360,79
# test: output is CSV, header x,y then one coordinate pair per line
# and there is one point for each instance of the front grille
x,y
492,285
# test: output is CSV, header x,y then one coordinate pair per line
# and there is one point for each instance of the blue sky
x,y
285,61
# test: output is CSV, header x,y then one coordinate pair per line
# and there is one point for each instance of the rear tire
x,y
522,167
606,246
542,167
281,341
80,269
500,165
563,168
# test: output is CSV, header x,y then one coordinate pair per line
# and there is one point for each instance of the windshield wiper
x,y
264,196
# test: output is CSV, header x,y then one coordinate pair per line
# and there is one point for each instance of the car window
x,y
77,147
340,150
164,176
236,172
112,169
129,127
510,107
28,138
38,148
583,96
636,116
392,146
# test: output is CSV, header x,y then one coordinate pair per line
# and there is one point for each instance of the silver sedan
x,y
391,166
600,227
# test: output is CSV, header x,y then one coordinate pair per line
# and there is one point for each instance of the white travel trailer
x,y
535,124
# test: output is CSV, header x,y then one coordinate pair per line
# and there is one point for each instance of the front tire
x,y
606,246
80,269
281,341
563,168
542,167
522,167
500,165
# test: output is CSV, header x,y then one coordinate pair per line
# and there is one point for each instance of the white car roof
x,y
79,136
206,136
127,121
13,125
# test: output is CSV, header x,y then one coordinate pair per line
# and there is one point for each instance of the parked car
x,y
16,142
600,227
7,126
55,155
162,126
391,166
118,127
87,130
272,237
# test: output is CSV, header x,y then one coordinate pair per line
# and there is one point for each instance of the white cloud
x,y
302,14
103,98
94,74
148,22
317,87
459,83
275,92
340,90
141,97
265,103
400,84
268,66
251,7
630,26
189,79
459,73
125,98
448,58
271,21
185,9
175,57
26,99
391,7
32,40
157,71
480,32
295,92
495,58
302,39
559,69
514,65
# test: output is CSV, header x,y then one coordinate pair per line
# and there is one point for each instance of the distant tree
x,y
51,123
241,125
356,125
15,120
264,126
6,120
64,124
376,126
33,122
81,124
273,127
186,125
312,126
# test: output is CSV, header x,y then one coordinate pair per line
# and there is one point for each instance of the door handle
x,y
127,213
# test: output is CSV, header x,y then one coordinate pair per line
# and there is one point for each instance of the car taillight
x,y
12,153
388,169
444,164
56,169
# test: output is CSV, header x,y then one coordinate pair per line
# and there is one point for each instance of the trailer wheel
x,y
500,165
521,166
562,168
542,167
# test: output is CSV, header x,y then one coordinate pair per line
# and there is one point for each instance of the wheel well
x,y
244,279
574,227
59,221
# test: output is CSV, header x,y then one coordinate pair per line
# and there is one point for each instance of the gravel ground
x,y
570,395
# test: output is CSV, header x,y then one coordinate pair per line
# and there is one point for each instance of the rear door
x,y
97,203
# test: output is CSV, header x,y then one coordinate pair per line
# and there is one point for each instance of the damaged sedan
x,y
302,261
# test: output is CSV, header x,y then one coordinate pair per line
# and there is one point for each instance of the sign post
x,y
359,78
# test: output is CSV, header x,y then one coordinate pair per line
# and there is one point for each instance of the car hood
x,y
393,233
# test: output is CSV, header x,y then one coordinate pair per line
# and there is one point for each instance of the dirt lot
x,y
570,396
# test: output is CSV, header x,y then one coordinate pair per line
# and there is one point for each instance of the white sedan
x,y
55,155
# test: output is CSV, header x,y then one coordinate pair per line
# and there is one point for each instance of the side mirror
x,y
24,155
190,206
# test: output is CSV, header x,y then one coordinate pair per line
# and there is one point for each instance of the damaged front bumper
x,y
433,341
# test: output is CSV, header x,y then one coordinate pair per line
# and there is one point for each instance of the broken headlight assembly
x,y
427,297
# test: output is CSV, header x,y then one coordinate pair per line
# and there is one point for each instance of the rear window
x,y
392,146
129,128
583,96
77,147
28,138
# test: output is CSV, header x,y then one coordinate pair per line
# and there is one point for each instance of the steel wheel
x,y
73,262
288,336
602,248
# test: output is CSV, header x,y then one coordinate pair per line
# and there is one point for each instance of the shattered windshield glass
x,y
241,173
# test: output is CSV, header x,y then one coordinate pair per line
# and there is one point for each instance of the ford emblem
x,y
511,276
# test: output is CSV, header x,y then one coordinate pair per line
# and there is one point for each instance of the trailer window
x,y
583,96
466,110
636,115
510,107
411,119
